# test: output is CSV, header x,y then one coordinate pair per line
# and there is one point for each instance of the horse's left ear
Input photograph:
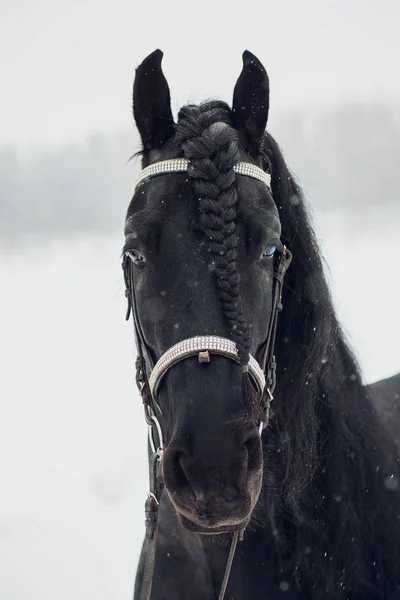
x,y
251,98
152,103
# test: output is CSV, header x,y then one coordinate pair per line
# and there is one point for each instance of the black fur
x,y
327,522
153,116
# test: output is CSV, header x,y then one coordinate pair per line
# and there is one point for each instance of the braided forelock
x,y
210,144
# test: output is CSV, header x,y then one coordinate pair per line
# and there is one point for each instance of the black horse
x,y
316,493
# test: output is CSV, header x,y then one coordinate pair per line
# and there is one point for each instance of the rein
x,y
149,375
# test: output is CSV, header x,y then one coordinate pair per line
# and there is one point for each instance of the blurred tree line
x,y
345,156
77,187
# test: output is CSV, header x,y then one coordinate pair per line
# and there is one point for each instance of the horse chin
x,y
196,527
218,521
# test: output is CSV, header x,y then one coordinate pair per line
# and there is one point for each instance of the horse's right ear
x,y
152,103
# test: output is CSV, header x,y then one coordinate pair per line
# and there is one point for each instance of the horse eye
x,y
269,252
135,256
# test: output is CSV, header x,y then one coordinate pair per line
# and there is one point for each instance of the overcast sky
x,y
67,67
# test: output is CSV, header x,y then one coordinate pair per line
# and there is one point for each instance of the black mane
x,y
335,489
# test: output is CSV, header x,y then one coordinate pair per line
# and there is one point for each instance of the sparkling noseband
x,y
203,346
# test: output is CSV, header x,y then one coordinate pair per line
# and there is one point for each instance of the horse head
x,y
204,263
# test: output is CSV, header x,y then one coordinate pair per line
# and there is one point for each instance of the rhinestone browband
x,y
181,165
202,345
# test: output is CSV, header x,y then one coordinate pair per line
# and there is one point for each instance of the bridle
x,y
149,376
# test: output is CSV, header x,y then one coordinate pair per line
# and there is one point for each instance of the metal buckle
x,y
151,495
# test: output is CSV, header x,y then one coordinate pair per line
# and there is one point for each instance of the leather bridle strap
x,y
268,361
143,360
151,522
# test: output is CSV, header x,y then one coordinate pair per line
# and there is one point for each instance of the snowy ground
x,y
72,436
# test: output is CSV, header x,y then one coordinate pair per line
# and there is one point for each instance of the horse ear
x,y
251,98
152,103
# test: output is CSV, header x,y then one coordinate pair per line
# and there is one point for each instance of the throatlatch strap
x,y
268,363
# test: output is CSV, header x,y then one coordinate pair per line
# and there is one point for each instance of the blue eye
x,y
269,252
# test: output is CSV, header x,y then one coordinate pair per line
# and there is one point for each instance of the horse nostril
x,y
178,465
252,447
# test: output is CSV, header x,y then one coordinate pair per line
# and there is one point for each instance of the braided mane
x,y
209,141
